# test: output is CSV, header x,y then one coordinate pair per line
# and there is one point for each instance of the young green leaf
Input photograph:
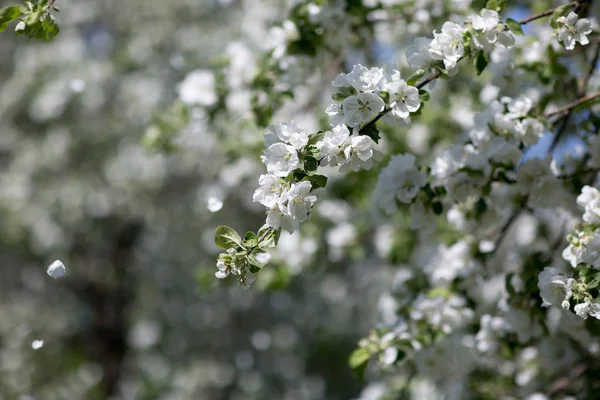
x,y
310,165
414,78
317,181
250,240
9,14
358,361
481,61
226,237
514,26
424,95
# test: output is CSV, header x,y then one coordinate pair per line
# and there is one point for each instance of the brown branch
x,y
590,71
572,105
513,217
545,13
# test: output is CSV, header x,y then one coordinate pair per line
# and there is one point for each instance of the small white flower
x,y
56,269
223,271
404,99
359,154
589,200
554,287
490,30
588,308
418,55
399,181
361,78
591,252
335,113
280,159
37,344
447,45
361,108
290,134
269,191
572,29
293,207
331,147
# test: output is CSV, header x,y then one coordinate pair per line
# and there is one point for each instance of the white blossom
x,y
223,270
332,145
489,31
589,200
198,88
572,29
359,153
361,108
447,45
293,207
56,269
290,134
361,78
404,99
399,181
269,191
418,55
588,308
554,287
280,159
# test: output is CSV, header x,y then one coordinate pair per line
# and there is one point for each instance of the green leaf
x,y
496,5
226,237
9,14
254,264
424,95
358,361
508,284
39,24
317,181
250,240
414,78
481,61
316,137
385,96
268,237
514,26
594,282
310,165
338,97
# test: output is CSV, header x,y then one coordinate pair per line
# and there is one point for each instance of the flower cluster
x,y
364,93
584,247
454,42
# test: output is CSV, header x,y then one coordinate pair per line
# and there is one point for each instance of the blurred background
x,y
139,314
124,143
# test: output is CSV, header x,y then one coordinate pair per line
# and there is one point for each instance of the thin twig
x,y
560,132
545,13
572,105
513,217
590,72
564,381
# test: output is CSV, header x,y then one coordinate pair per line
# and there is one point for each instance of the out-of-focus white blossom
x,y
198,88
56,269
